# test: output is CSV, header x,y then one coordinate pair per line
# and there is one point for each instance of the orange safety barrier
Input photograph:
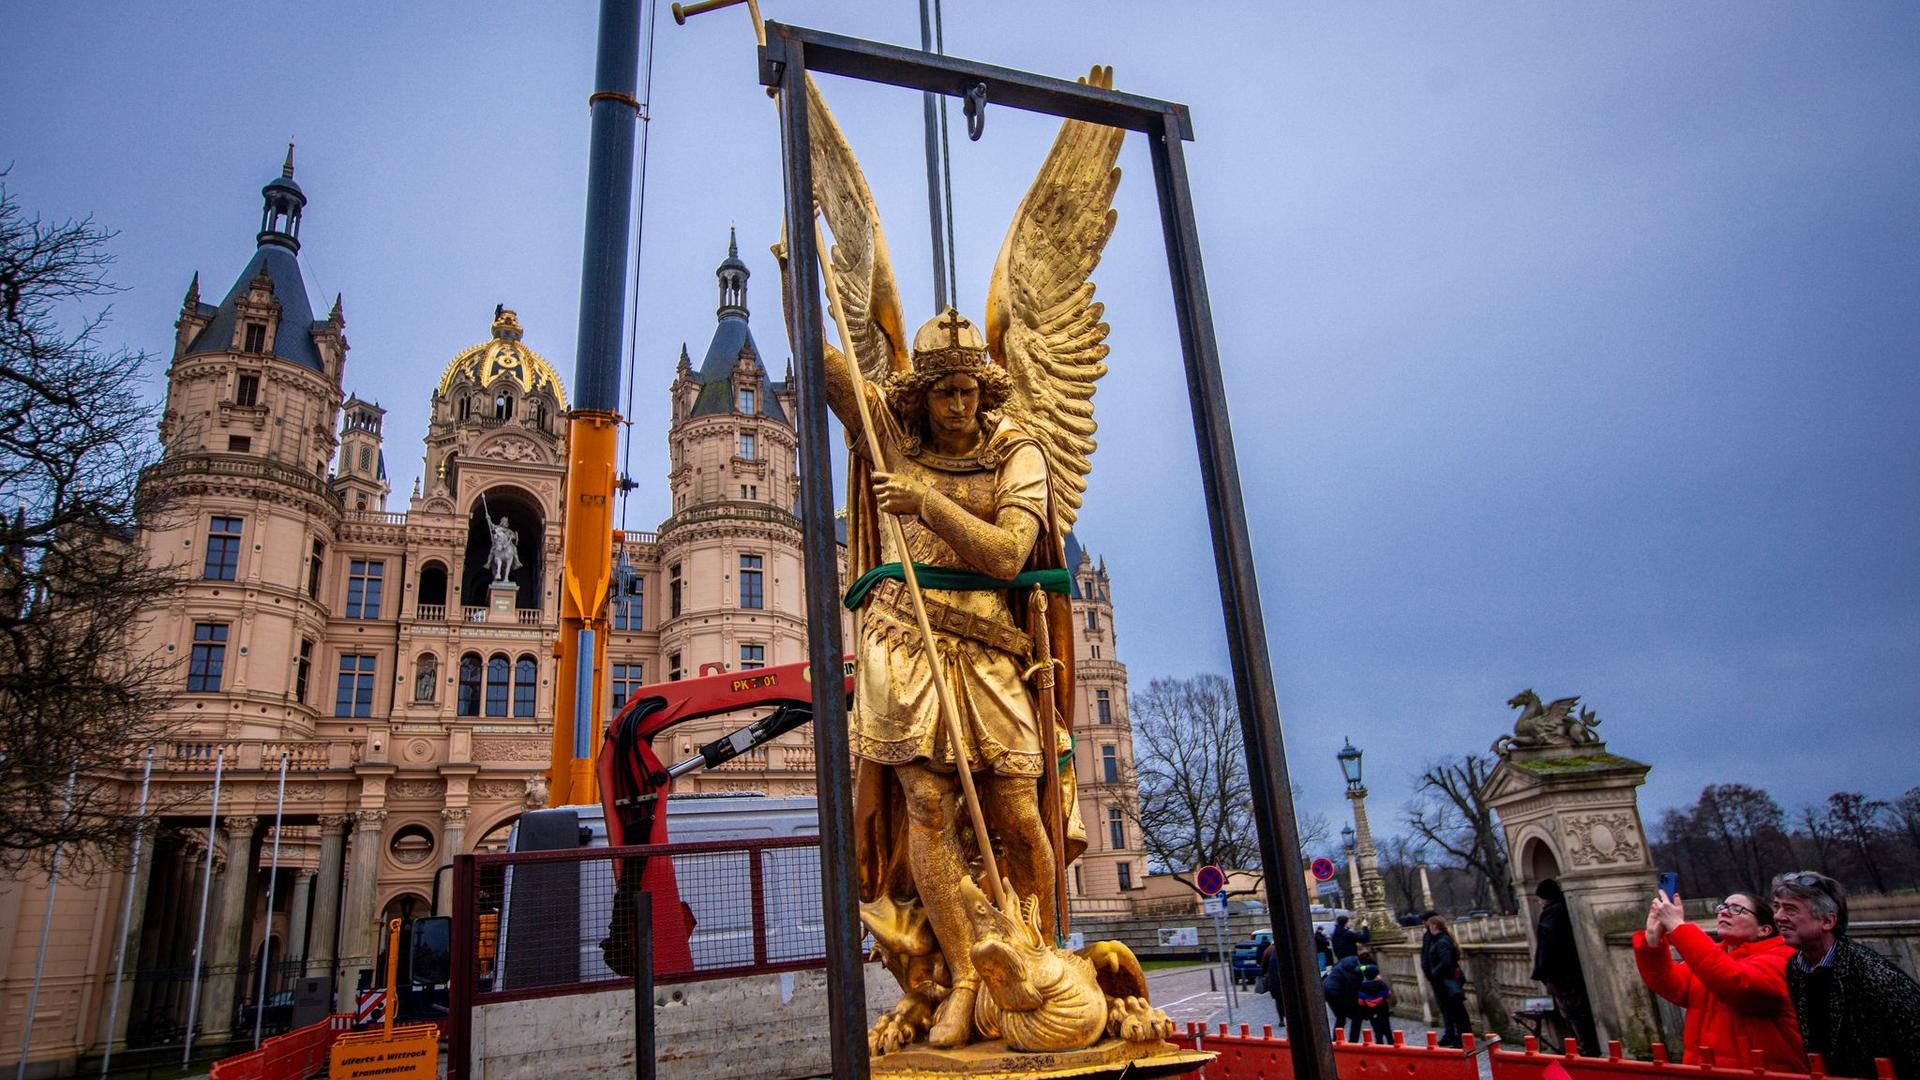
x,y
296,1055
1532,1064
1247,1056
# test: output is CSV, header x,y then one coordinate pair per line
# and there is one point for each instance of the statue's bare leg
x,y
1012,806
933,851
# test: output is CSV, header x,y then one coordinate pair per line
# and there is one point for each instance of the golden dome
x,y
504,355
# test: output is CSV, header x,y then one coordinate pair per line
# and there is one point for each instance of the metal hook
x,y
976,110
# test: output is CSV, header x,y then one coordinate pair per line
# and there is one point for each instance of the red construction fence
x,y
1245,1055
1531,1064
296,1055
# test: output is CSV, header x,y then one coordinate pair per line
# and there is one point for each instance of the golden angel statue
x,y
976,439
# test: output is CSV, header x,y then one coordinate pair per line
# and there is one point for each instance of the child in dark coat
x,y
1373,1000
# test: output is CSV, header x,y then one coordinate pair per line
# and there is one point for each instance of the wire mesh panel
x,y
544,923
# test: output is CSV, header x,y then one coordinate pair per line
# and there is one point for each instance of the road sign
x,y
367,1004
1323,869
1214,905
1209,880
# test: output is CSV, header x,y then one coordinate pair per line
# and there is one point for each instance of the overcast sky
x,y
1569,347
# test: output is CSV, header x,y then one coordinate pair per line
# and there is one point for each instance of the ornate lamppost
x,y
1347,845
1373,892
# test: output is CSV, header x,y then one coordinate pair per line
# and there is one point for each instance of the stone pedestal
x,y
1570,811
501,598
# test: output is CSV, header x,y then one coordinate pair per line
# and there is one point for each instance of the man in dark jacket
x,y
1854,1005
1556,965
1345,941
1322,949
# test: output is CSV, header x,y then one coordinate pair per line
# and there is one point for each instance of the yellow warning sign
x,y
409,1053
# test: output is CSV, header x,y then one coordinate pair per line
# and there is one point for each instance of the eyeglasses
x,y
1810,880
1727,907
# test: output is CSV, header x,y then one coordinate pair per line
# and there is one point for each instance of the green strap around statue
x,y
953,578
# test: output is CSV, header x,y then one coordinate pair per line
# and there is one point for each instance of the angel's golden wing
x,y
1042,321
861,268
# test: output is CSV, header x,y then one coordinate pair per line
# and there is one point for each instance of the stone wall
x,y
764,1026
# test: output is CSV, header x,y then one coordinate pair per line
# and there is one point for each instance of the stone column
x,y
123,992
224,955
357,917
1372,893
297,915
326,898
453,840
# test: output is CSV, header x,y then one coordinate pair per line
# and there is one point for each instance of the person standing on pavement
x,y
1345,942
1373,1000
1556,965
1322,949
1270,967
1440,960
1853,1004
1734,991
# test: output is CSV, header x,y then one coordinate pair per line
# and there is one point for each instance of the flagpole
x,y
46,929
273,879
126,917
206,890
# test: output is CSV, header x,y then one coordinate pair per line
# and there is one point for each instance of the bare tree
x,y
1906,811
1822,838
1400,858
1196,803
1856,820
1749,828
77,707
1448,814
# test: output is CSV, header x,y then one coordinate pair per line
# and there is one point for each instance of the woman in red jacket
x,y
1735,991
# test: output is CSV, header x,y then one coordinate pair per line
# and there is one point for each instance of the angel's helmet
x,y
948,344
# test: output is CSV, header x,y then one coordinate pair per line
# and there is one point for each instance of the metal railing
x,y
546,923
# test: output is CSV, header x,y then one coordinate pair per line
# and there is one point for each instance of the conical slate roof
x,y
294,341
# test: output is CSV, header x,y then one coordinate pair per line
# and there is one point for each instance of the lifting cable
x,y
946,285
645,112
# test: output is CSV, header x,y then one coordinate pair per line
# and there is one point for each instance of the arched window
x,y
433,585
526,675
426,678
503,407
470,685
499,673
466,406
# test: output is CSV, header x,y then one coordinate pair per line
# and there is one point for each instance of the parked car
x,y
276,1018
1246,957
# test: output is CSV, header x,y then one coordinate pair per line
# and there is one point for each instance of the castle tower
x,y
361,478
729,557
253,396
1115,861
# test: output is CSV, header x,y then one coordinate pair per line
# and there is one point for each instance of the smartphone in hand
x,y
1669,883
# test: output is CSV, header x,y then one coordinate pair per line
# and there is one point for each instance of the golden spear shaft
x,y
949,709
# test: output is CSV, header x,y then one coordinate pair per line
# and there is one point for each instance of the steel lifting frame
x,y
789,54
